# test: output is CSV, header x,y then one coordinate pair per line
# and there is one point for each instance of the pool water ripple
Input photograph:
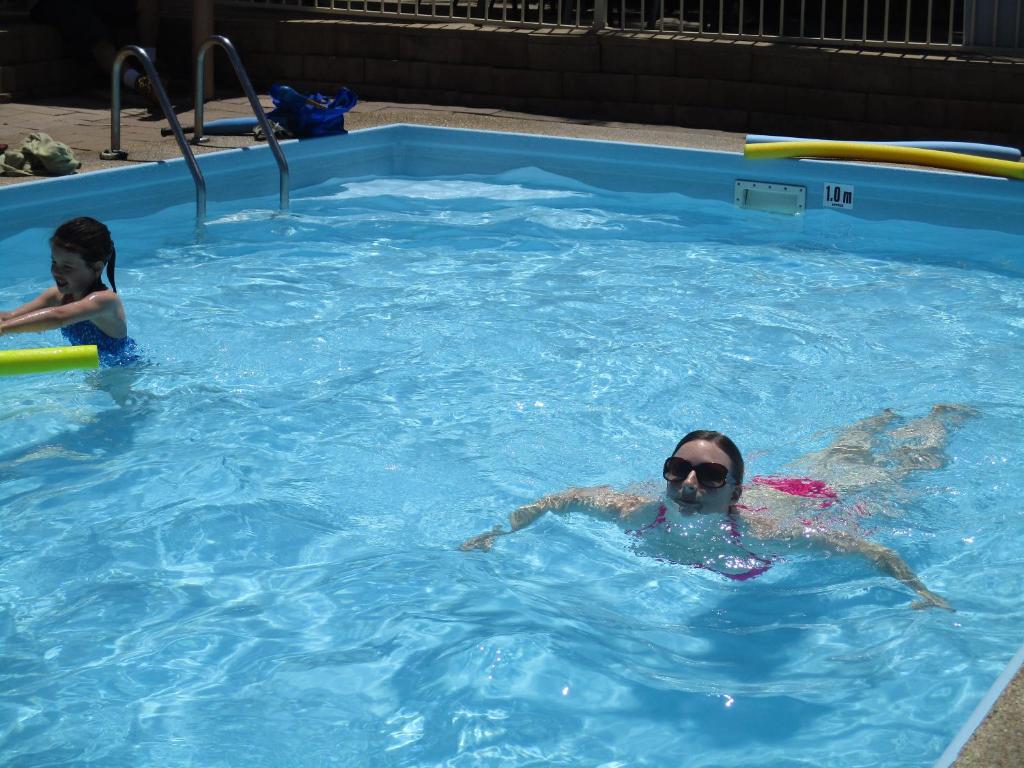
x,y
247,545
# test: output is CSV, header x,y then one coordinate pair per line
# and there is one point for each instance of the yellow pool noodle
x,y
852,150
15,362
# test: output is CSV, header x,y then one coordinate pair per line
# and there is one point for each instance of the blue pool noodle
x,y
230,126
963,147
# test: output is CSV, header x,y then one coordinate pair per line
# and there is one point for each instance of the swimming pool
x,y
247,546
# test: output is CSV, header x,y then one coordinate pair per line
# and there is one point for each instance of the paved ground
x,y
83,122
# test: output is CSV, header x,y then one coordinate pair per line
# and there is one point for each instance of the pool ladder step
x,y
116,153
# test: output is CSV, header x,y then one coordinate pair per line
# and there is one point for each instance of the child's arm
x,y
48,298
51,317
601,501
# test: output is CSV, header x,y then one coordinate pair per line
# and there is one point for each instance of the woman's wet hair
x,y
91,240
723,442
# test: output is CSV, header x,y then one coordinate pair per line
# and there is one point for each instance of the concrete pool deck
x,y
83,122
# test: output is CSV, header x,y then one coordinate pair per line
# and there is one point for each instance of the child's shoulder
x,y
102,298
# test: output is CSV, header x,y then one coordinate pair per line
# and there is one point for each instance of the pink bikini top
x,y
762,564
804,487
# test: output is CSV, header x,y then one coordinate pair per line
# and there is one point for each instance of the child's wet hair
x,y
723,442
91,240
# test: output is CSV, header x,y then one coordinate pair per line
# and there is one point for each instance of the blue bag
x,y
308,116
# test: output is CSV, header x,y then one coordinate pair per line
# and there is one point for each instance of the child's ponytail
x,y
110,268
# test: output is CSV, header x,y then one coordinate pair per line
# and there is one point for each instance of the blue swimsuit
x,y
112,351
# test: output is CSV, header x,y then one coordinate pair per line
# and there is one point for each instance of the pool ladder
x,y
116,153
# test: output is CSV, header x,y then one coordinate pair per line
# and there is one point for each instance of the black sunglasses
x,y
709,474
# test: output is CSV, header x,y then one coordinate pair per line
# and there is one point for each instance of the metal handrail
x,y
254,102
116,153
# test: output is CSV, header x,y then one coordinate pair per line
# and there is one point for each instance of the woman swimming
x,y
79,304
705,481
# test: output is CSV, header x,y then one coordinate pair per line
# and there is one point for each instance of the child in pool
x,y
704,477
79,304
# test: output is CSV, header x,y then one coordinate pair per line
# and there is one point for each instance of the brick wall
x,y
725,85
33,62
635,77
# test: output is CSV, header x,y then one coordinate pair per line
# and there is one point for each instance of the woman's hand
x,y
930,600
602,501
483,541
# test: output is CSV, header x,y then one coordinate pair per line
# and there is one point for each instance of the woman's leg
x,y
853,461
921,443
857,441
849,463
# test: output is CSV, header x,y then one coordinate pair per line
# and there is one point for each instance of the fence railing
x,y
974,25
984,26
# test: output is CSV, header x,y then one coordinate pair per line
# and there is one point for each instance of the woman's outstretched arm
x,y
888,561
601,501
791,527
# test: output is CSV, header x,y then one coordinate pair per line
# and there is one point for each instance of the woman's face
x,y
689,493
71,273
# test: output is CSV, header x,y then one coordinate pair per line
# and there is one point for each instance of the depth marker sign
x,y
838,196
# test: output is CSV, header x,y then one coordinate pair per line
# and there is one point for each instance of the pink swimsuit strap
x,y
750,573
660,518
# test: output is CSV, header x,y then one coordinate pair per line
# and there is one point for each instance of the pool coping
x,y
981,712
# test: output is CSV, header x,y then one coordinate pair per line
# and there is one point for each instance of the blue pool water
x,y
244,551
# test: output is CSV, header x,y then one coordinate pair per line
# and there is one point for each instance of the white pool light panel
x,y
770,196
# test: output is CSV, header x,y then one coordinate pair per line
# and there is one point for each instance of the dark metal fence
x,y
977,25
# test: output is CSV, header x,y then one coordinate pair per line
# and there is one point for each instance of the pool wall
x,y
956,200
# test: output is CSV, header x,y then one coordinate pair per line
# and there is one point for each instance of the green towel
x,y
12,163
39,155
